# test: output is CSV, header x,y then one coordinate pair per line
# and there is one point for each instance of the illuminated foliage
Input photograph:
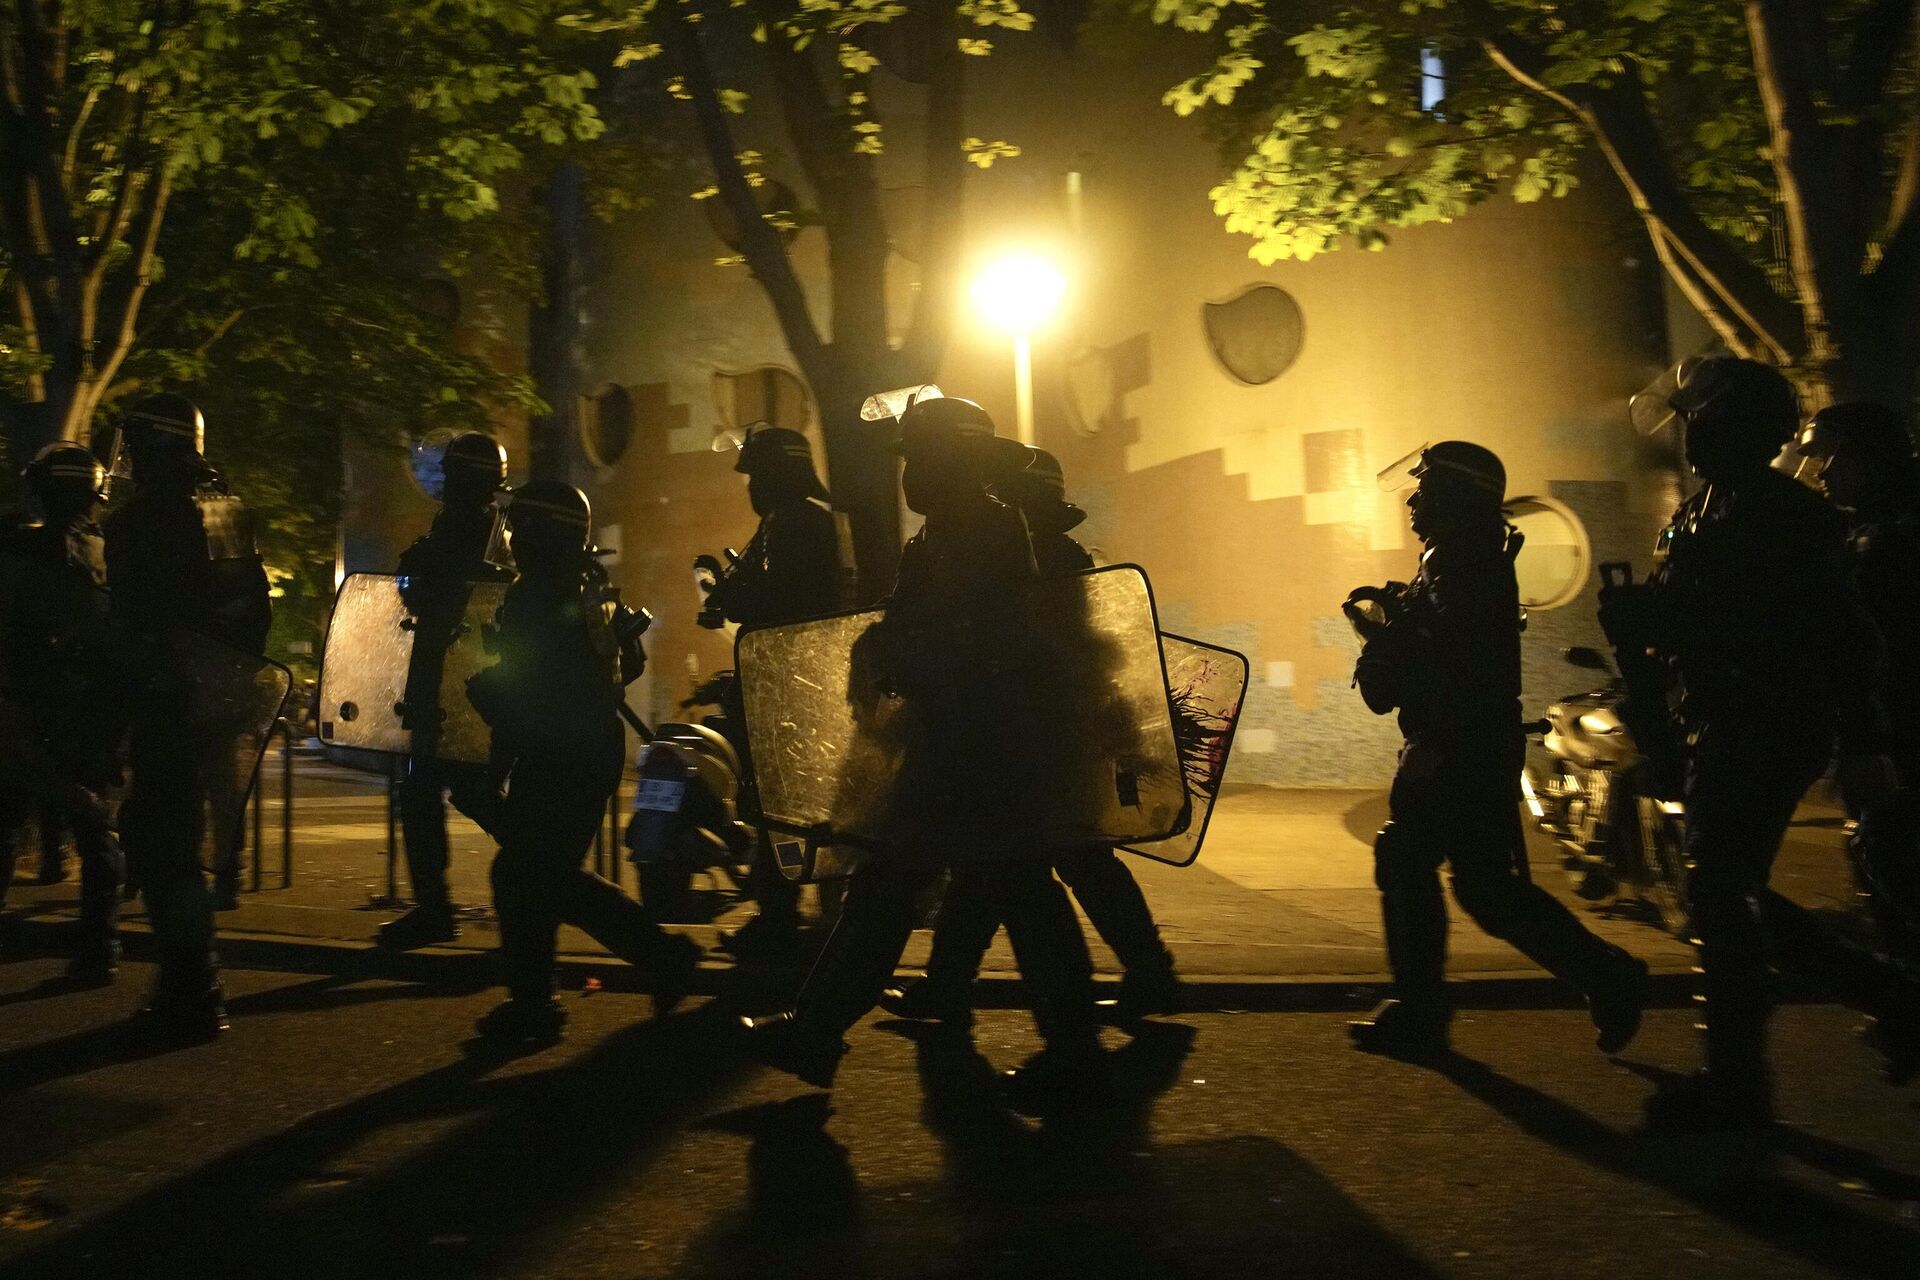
x,y
1344,120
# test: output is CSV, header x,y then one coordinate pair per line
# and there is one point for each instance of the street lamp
x,y
1018,294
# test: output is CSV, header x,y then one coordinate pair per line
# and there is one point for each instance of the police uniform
x,y
1755,609
552,702
1450,664
952,570
57,690
436,575
180,561
789,571
1102,884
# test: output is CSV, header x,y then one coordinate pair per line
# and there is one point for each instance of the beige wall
x,y
1253,509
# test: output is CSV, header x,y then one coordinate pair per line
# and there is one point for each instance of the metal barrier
x,y
284,728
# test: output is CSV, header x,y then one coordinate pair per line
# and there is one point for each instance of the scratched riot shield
x,y
233,700
1037,723
1206,686
385,687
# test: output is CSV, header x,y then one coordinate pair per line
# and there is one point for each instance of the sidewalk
x,y
1283,892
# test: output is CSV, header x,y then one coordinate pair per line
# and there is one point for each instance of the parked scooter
x,y
1623,841
688,811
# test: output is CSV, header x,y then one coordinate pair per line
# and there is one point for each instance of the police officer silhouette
x,y
1448,662
1755,611
59,722
972,553
1035,485
1861,457
553,703
436,575
790,570
180,558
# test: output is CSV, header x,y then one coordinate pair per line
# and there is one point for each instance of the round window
x,y
606,424
1556,557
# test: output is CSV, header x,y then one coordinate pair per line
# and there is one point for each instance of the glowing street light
x,y
1019,294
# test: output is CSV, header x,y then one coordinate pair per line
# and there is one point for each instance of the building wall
x,y
1253,508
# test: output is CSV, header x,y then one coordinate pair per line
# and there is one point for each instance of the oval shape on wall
x,y
1257,334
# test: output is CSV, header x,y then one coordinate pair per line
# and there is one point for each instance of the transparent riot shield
x,y
1207,686
363,668
233,701
1040,723
373,695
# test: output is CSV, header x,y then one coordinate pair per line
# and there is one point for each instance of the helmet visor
x,y
1402,471
891,404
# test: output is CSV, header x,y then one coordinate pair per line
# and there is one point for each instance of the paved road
x,y
340,1131
1284,887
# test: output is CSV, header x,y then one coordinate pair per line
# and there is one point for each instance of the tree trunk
x,y
863,472
553,331
1873,358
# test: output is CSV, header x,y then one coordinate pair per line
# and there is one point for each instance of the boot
x,y
423,926
670,972
1144,993
929,1000
180,1013
785,1043
1617,1005
226,891
95,965
765,939
530,1020
1411,1030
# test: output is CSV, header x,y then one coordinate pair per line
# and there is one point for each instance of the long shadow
x,y
803,1215
1766,1206
1091,1193
120,1042
537,1149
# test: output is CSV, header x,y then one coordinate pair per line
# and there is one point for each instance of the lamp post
x,y
1018,294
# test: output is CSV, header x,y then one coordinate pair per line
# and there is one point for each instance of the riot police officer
x,y
436,575
1755,612
1862,459
790,570
59,726
567,648
970,556
1105,889
1448,661
180,558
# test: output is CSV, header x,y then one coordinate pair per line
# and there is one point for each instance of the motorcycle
x,y
1623,841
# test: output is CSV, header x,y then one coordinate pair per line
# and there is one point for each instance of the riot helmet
x,y
1456,483
473,467
551,523
777,462
165,420
1858,453
66,480
1034,482
165,436
1738,414
950,450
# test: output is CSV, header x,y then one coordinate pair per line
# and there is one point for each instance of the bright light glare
x,y
1019,293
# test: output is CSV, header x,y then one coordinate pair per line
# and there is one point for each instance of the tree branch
x,y
766,256
1617,117
1826,237
1880,39
87,398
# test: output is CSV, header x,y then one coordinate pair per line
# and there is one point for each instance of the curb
x,y
465,968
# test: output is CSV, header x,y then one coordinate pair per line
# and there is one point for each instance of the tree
x,y
111,111
1728,125
810,66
